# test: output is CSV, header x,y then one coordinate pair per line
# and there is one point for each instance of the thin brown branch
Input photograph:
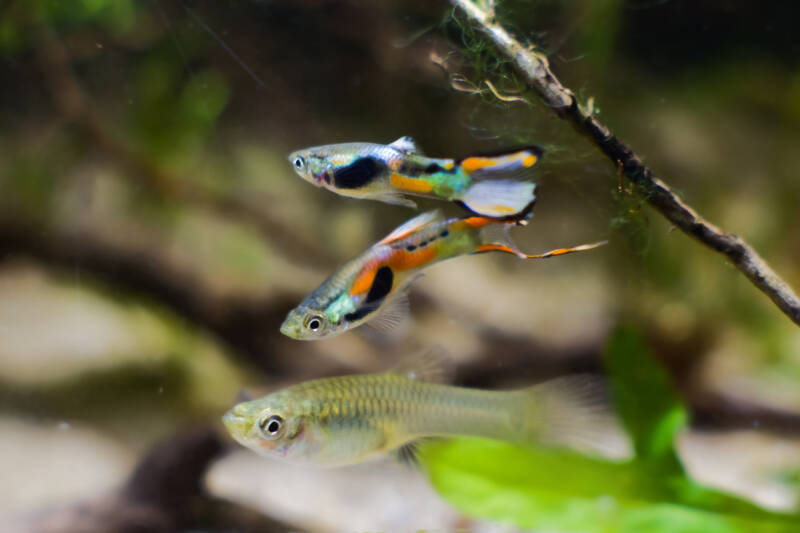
x,y
534,67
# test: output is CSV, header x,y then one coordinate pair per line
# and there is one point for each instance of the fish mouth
x,y
238,426
290,330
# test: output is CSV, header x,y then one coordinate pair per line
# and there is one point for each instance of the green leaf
x,y
558,490
644,397
561,491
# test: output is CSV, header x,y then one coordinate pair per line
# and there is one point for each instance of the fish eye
x,y
314,322
271,426
299,163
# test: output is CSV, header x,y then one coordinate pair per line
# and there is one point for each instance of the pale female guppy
x,y
350,419
491,186
371,287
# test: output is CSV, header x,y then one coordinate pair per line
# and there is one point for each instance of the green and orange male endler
x,y
371,287
493,186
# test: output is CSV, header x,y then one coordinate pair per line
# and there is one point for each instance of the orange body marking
x,y
405,260
476,222
364,280
401,182
471,164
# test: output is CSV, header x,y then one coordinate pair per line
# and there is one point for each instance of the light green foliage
x,y
600,36
111,15
556,490
174,113
644,398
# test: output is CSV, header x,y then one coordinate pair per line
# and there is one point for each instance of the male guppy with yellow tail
x,y
350,419
491,186
371,287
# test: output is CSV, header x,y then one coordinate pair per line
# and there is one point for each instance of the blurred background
x,y
153,236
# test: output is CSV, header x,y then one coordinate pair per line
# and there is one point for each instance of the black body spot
x,y
433,168
381,285
444,233
411,247
360,313
358,173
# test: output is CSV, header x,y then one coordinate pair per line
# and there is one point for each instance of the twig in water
x,y
535,68
502,97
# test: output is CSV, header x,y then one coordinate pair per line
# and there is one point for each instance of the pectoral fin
x,y
391,314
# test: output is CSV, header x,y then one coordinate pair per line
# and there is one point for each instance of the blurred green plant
x,y
559,490
111,15
174,115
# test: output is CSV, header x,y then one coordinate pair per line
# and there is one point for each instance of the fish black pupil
x,y
298,162
271,425
314,324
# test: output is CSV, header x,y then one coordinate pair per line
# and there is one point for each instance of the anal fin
x,y
392,197
408,454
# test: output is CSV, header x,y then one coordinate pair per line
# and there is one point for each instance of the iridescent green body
x,y
349,419
435,176
372,285
493,186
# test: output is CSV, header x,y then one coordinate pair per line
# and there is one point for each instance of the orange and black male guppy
x,y
371,287
493,186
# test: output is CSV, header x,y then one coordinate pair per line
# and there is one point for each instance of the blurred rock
x,y
380,496
550,300
50,330
50,464
744,463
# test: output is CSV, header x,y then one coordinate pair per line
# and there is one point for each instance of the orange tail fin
x,y
544,255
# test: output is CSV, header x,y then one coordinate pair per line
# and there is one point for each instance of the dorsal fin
x,y
407,145
431,364
410,226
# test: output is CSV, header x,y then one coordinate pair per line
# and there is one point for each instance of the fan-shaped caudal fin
x,y
500,198
499,182
575,412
